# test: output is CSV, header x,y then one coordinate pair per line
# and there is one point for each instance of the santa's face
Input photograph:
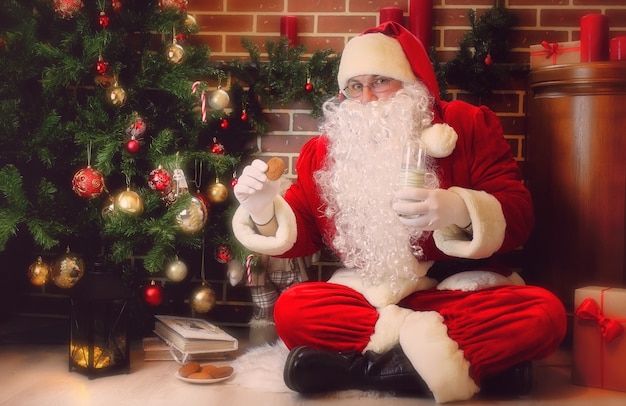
x,y
358,183
367,88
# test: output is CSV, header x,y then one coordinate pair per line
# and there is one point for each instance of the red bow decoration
x,y
609,328
551,48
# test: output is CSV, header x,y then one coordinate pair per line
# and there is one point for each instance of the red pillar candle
x,y
391,14
420,20
618,48
594,38
289,29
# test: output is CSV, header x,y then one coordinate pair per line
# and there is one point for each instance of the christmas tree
x,y
118,138
478,66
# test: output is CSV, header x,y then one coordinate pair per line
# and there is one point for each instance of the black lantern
x,y
99,342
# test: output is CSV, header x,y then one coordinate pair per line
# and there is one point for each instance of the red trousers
x,y
495,328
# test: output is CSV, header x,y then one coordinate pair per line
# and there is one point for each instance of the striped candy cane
x,y
249,268
202,100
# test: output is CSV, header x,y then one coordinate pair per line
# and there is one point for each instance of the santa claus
x,y
422,303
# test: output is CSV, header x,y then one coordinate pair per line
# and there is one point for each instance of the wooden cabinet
x,y
576,172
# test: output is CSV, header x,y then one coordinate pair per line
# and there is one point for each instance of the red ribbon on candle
x,y
391,14
594,38
289,29
420,20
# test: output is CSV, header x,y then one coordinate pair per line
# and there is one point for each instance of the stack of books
x,y
187,339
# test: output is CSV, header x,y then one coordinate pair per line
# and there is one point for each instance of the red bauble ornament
x,y
181,38
218,148
224,124
67,8
103,20
223,254
308,87
102,66
244,116
116,5
153,294
233,182
133,146
488,60
88,183
159,179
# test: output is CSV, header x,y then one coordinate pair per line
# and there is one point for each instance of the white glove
x,y
256,193
430,209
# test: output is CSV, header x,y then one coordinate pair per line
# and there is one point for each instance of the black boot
x,y
308,370
515,381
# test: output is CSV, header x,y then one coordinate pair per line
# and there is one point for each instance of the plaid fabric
x,y
264,296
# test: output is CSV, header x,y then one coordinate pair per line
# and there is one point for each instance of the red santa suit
x,y
472,324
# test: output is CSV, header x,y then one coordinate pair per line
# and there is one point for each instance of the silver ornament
x,y
194,217
219,99
176,270
174,53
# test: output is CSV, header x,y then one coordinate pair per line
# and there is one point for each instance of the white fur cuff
x,y
436,357
488,226
387,328
246,233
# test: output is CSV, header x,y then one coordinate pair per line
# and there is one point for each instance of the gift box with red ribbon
x,y
554,53
599,346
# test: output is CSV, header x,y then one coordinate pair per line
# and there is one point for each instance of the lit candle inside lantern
x,y
289,29
80,355
391,14
420,20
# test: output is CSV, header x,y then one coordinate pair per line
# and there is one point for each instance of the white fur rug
x,y
261,368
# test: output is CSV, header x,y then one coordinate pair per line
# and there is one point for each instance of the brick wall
x,y
324,24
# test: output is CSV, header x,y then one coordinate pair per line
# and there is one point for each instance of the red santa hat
x,y
388,50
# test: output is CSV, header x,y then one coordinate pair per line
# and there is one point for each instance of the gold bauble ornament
x,y
202,298
116,95
39,272
193,218
129,202
174,53
176,270
67,270
217,193
219,99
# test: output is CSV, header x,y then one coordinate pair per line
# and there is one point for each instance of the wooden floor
x,y
36,374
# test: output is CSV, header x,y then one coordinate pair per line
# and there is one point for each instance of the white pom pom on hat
x,y
374,54
439,140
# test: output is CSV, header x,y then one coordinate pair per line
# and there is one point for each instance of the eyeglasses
x,y
378,85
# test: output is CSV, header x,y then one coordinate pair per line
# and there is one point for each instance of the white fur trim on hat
x,y
374,54
245,231
488,227
436,357
439,140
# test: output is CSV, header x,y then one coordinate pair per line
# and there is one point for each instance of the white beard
x,y
361,176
